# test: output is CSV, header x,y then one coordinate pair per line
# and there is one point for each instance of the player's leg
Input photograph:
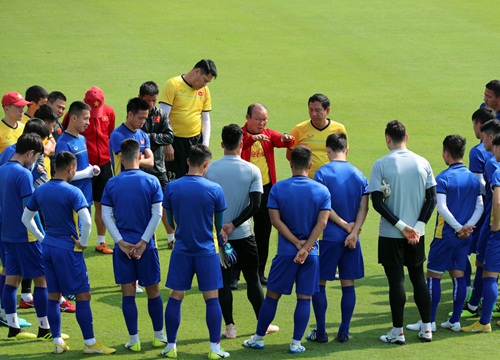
x,y
459,295
98,185
226,301
26,300
262,228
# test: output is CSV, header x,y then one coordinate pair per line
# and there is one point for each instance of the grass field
x,y
423,62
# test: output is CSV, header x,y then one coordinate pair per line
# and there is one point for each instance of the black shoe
x,y
263,280
234,284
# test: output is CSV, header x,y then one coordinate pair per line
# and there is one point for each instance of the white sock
x,y
257,338
12,320
397,331
134,338
171,346
62,300
27,297
58,341
472,307
90,342
43,322
101,239
159,334
171,237
295,342
215,346
426,326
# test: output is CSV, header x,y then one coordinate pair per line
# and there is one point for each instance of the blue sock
x,y
467,272
320,304
54,317
84,318
2,284
40,298
9,299
434,286
172,319
266,315
490,295
214,319
155,310
478,287
459,295
347,305
129,309
301,318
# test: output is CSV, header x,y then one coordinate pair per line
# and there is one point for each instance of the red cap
x,y
14,98
95,98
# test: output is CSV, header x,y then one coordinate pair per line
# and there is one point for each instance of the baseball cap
x,y
95,98
14,98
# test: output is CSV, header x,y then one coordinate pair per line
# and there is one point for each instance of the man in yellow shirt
x,y
11,129
313,132
187,102
36,95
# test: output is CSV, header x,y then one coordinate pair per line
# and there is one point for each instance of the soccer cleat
x,y
451,326
98,348
425,335
230,332
159,342
295,349
417,325
343,337
477,327
26,304
22,322
315,336
68,307
272,329
170,246
45,334
251,343
3,322
221,354
171,354
391,339
133,347
19,334
59,349
103,248
466,312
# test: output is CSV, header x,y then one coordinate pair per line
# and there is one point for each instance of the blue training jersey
x,y
478,156
131,195
117,136
299,201
194,201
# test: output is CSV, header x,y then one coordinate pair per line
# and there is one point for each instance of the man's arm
x,y
247,213
427,209
275,217
155,219
205,127
147,160
107,218
28,220
168,149
313,236
352,238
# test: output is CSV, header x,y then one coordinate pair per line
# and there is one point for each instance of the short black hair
x,y
455,145
337,142
231,136
301,157
77,107
36,126
64,159
323,99
206,66
56,95
396,131
491,127
252,106
129,149
35,93
496,140
28,142
483,114
136,104
493,85
46,113
198,154
149,88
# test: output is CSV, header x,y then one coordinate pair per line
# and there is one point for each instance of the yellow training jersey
x,y
315,139
258,158
187,106
9,135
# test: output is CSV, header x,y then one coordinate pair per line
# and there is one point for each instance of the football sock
x,y
2,284
477,291
215,346
490,295
396,331
54,318
171,237
40,298
129,309
101,239
347,305
9,300
134,338
301,318
320,305
155,310
467,272
434,286
266,315
172,319
84,318
459,295
214,319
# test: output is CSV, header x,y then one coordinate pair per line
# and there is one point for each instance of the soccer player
x,y
459,205
63,250
194,205
403,192
492,96
57,101
37,96
340,247
11,127
258,148
133,199
161,136
299,209
313,132
137,113
49,117
187,102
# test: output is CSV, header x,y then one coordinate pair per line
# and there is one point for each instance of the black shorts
x,y
246,250
397,252
179,167
99,181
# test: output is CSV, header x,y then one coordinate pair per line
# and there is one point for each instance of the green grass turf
x,y
423,62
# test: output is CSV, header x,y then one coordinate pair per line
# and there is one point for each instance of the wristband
x,y
400,225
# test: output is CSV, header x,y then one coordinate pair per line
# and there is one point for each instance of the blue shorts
x,y
24,259
448,253
65,271
182,269
482,240
146,269
333,254
492,255
284,273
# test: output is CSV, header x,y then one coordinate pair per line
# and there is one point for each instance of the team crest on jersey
x,y
105,118
142,142
156,119
75,148
200,93
59,131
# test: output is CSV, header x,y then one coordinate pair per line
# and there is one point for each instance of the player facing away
x,y
194,205
133,199
299,208
403,192
460,206
63,249
340,247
